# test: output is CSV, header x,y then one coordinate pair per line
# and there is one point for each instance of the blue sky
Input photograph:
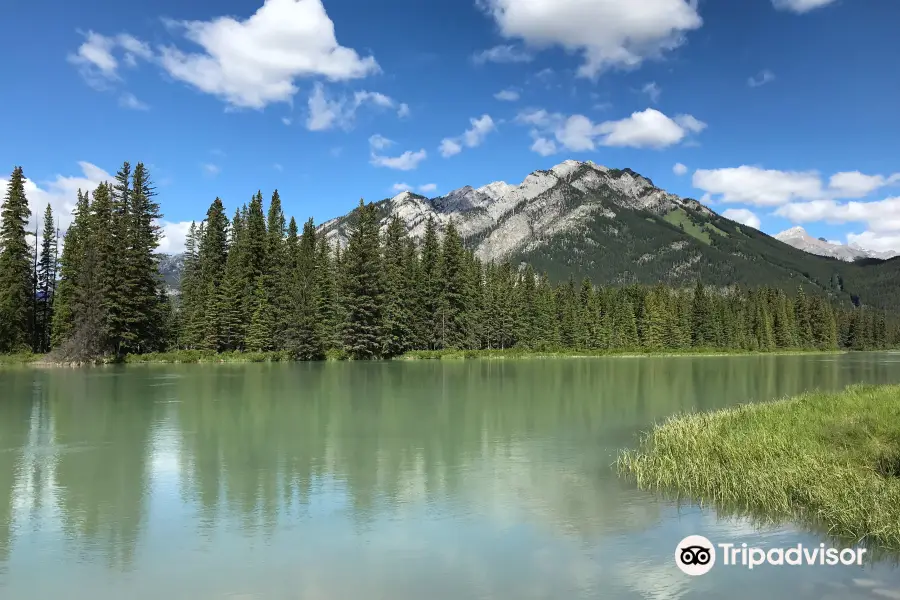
x,y
779,110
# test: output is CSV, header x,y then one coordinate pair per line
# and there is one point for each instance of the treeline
x,y
257,282
103,295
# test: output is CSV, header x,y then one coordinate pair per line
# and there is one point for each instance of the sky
x,y
775,113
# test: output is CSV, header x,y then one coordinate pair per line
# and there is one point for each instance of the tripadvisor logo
x,y
696,555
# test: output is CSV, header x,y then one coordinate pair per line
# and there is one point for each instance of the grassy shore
x,y
205,356
571,353
827,460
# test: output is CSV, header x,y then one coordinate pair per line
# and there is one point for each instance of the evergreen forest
x,y
258,282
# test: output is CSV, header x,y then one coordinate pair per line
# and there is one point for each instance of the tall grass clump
x,y
827,460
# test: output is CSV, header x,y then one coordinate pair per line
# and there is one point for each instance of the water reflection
x,y
445,479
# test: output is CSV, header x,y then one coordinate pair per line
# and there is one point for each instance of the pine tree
x,y
305,334
398,286
430,286
16,277
803,320
46,281
362,295
70,267
212,262
233,306
149,308
260,331
278,272
702,329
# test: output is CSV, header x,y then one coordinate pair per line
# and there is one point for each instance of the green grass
x,y
680,218
566,352
19,358
830,461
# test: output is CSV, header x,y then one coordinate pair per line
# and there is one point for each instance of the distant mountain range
x,y
614,225
798,238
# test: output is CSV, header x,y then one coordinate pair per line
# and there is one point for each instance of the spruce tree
x,y
304,339
70,266
46,280
398,286
362,295
430,291
702,328
149,308
260,331
16,277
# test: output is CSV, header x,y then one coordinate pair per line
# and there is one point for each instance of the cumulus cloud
x,y
800,6
879,216
679,169
854,184
327,113
878,242
405,187
248,64
544,147
449,147
760,187
608,33
173,237
770,187
401,187
762,78
646,129
407,161
428,188
502,54
743,216
472,137
507,95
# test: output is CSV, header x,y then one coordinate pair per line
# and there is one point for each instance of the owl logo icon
x,y
695,555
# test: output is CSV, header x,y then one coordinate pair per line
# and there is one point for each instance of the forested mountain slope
x,y
581,219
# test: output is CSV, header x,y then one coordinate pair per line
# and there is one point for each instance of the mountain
x,y
615,226
798,238
170,267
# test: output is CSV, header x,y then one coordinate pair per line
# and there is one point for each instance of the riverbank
x,y
567,353
830,461
205,356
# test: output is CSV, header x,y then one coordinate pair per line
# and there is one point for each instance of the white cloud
x,y
278,167
507,95
769,187
652,90
407,161
760,187
875,241
287,121
129,100
679,169
471,138
211,169
765,76
428,188
401,187
742,215
326,113
646,129
379,142
248,64
881,216
544,147
800,6
854,184
608,33
502,54
449,148
403,110
173,237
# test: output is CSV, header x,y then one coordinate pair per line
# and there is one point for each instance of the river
x,y
396,480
